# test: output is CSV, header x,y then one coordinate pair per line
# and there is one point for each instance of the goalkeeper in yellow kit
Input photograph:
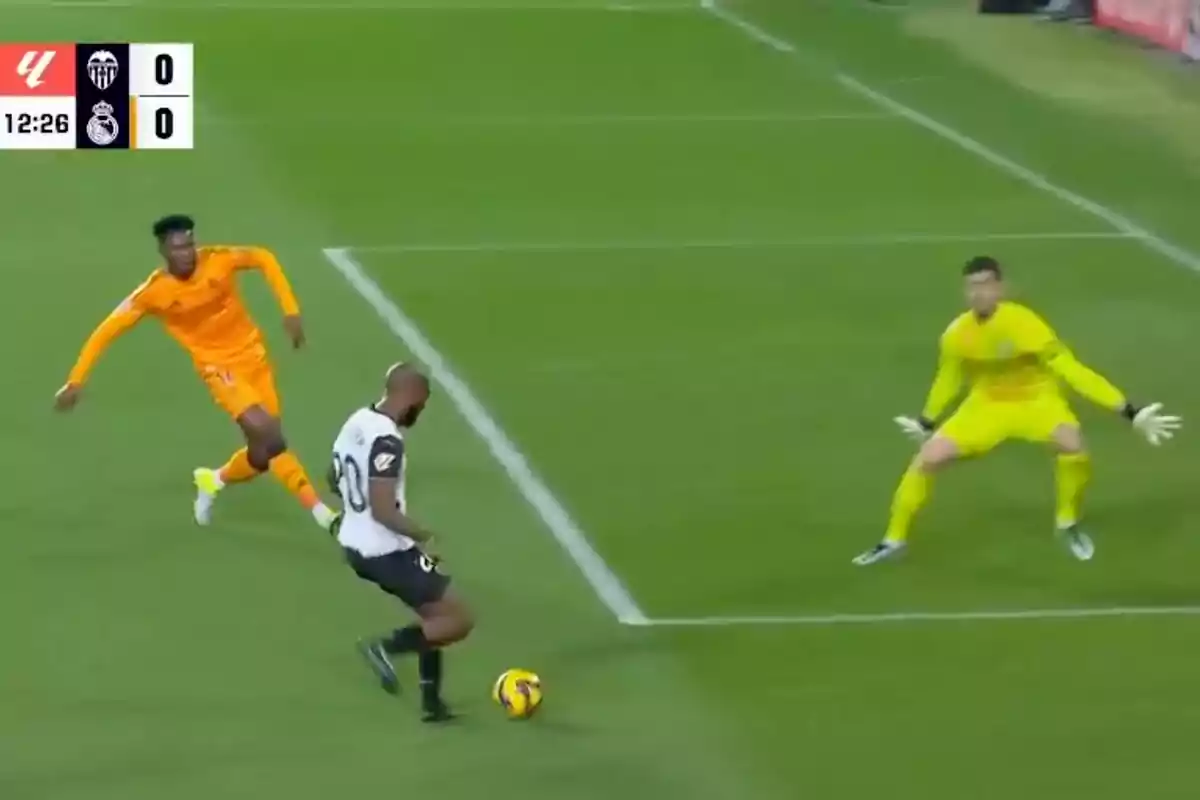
x,y
1014,367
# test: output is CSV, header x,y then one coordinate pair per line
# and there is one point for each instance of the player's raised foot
x,y
436,711
379,662
208,485
1078,542
879,552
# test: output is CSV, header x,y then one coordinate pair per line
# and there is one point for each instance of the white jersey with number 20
x,y
370,445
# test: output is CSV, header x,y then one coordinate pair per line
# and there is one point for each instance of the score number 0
x,y
163,83
164,75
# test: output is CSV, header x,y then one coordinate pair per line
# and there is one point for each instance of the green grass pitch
x,y
692,274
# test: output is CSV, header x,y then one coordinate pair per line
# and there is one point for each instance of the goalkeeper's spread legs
x,y
1072,474
910,496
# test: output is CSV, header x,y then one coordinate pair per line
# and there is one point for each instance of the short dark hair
x,y
173,223
981,264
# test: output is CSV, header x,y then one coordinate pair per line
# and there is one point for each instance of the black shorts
x,y
409,575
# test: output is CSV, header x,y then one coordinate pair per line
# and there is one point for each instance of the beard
x,y
409,417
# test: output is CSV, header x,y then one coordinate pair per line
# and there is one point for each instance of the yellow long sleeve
x,y
947,384
266,262
118,322
1085,381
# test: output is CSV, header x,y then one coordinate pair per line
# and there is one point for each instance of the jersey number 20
x,y
348,475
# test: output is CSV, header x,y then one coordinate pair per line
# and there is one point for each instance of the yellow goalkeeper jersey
x,y
1011,356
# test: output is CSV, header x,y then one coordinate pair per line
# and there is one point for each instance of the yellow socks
x,y
910,496
1072,473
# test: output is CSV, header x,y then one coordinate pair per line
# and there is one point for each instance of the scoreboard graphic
x,y
96,96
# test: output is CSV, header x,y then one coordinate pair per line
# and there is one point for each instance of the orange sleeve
x,y
264,260
124,317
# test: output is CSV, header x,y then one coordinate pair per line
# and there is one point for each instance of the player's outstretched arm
x,y
1037,337
264,260
118,322
1083,379
947,384
1147,420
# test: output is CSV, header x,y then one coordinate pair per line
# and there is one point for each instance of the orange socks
x,y
238,468
287,470
285,467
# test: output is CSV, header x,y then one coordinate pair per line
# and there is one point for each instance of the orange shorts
x,y
241,385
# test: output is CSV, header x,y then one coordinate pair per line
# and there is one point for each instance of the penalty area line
x,y
615,245
817,620
558,521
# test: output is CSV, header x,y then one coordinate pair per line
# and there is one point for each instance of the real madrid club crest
x,y
102,128
102,68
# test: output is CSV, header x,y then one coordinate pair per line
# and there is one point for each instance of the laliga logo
x,y
32,68
102,68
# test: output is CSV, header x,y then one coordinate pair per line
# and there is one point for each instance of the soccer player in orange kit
x,y
195,296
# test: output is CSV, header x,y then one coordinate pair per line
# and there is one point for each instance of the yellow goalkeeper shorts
x,y
980,424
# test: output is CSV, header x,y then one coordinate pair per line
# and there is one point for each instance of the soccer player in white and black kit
x,y
387,547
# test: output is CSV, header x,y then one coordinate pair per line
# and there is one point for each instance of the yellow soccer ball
x,y
519,693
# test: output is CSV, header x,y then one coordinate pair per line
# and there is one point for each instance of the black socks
x,y
429,667
429,661
406,640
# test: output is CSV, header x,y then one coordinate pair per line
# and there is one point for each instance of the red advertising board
x,y
1163,22
1173,24
1192,46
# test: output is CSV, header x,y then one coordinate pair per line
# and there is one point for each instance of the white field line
x,y
558,521
1113,219
926,616
369,5
399,121
736,244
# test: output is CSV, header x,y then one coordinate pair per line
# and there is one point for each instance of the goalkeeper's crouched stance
x,y
1013,366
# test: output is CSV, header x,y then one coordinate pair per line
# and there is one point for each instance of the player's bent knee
x,y
275,445
447,620
258,423
1068,439
443,631
258,456
466,622
935,454
460,620
264,435
458,628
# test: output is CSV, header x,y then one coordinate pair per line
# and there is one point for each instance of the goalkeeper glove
x,y
917,429
1149,422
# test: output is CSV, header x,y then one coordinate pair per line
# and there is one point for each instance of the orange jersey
x,y
204,313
